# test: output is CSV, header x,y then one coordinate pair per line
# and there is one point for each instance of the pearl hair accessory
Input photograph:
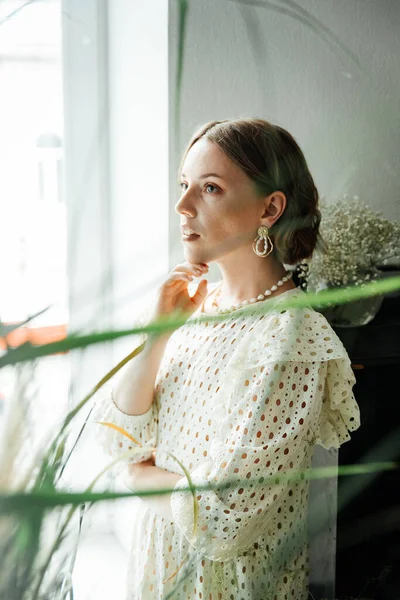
x,y
252,300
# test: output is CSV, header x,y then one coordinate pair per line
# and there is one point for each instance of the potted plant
x,y
358,240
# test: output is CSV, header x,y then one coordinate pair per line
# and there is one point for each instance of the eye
x,y
209,185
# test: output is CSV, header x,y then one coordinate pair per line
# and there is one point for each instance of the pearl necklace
x,y
252,300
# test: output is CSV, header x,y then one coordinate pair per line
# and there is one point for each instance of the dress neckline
x,y
201,312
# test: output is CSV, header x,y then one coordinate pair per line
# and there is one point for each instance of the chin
x,y
194,256
200,257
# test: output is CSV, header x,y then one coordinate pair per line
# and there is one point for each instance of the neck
x,y
249,276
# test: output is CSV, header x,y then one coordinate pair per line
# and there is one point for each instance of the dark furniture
x,y
368,522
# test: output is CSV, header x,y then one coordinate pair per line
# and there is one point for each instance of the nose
x,y
185,205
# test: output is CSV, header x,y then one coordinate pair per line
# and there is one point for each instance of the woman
x,y
242,398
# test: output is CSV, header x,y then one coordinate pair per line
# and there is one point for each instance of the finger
x,y
178,276
196,268
199,265
200,293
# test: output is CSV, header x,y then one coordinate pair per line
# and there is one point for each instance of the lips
x,y
187,231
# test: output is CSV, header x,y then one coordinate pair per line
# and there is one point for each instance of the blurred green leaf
x,y
14,12
306,18
19,502
183,8
322,299
7,329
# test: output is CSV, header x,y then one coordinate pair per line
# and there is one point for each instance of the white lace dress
x,y
246,398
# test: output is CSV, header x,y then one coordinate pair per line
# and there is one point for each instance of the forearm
x,y
134,393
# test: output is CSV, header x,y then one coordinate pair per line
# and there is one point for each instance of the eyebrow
x,y
206,175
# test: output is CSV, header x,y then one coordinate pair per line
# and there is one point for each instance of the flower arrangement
x,y
357,241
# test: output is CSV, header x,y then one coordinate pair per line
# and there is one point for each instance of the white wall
x,y
138,120
115,61
138,99
86,127
86,183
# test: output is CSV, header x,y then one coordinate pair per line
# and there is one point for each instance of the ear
x,y
274,207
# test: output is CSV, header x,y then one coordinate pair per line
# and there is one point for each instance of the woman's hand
x,y
133,471
173,294
145,476
134,474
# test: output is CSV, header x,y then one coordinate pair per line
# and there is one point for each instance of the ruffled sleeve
x,y
286,387
142,429
303,334
340,413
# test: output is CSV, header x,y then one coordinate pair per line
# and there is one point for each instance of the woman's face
x,y
218,202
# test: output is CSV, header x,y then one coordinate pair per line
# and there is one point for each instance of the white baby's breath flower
x,y
357,240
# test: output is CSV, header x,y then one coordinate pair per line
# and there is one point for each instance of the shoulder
x,y
295,333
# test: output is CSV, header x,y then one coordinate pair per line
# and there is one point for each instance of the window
x,y
33,248
33,236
